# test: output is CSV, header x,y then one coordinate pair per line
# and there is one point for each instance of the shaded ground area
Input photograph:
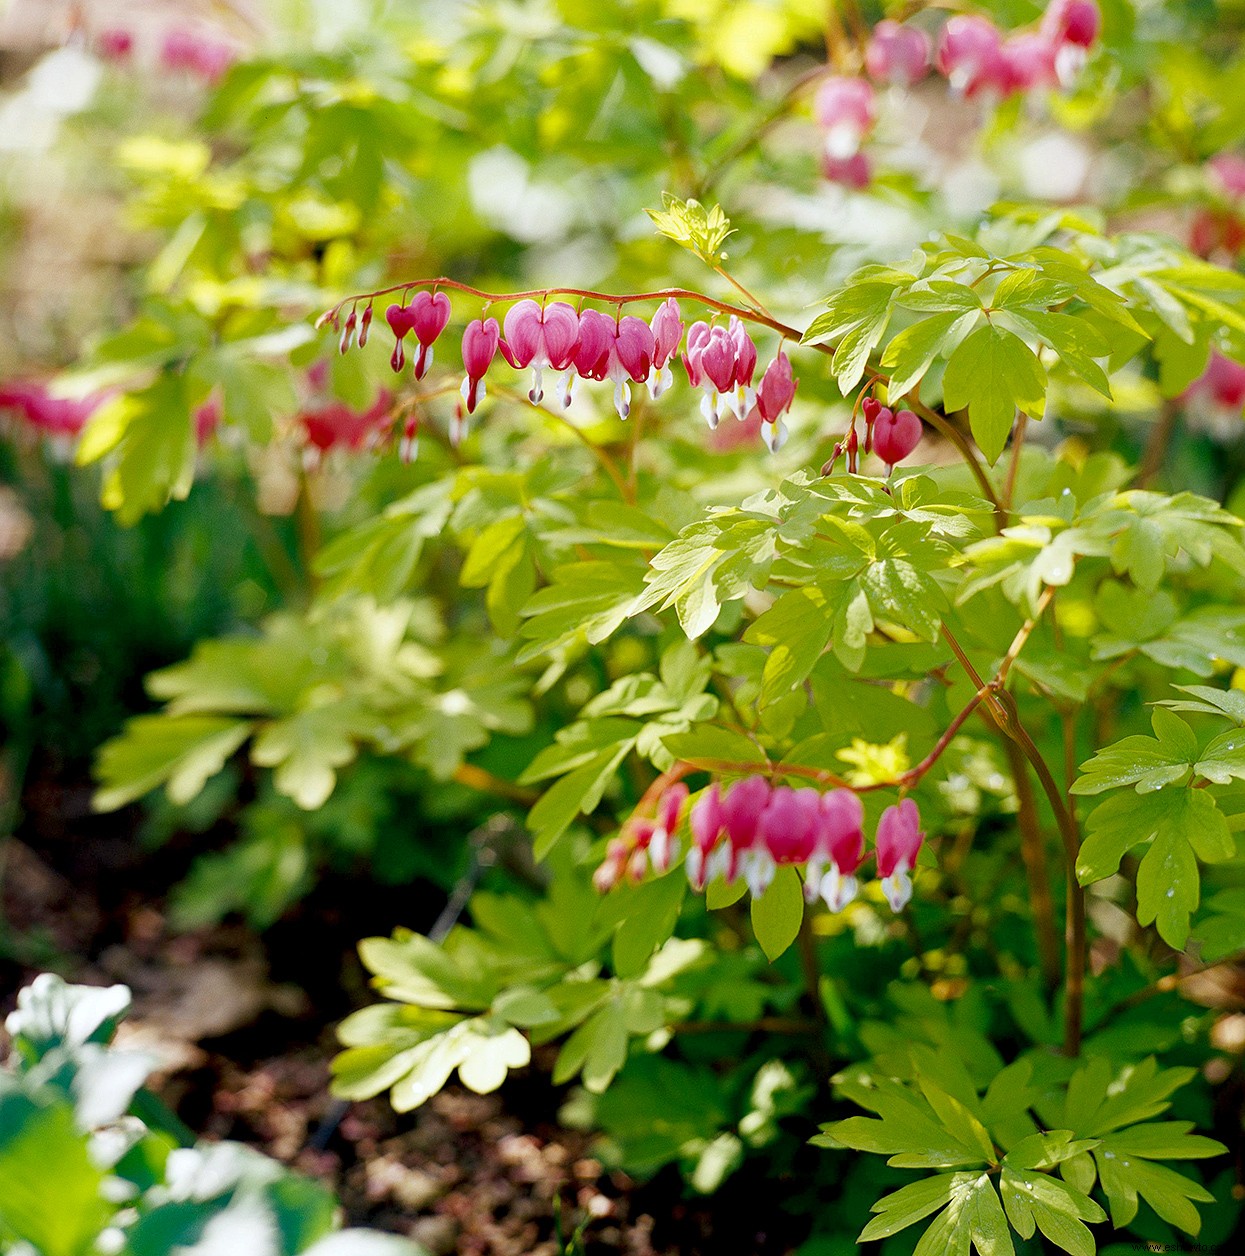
x,y
244,1027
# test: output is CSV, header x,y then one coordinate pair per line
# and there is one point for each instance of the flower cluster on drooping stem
x,y
752,828
892,435
587,344
977,59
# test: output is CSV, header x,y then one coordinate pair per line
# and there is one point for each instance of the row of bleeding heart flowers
x,y
721,360
752,828
977,59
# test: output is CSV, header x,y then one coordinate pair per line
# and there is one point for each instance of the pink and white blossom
x,y
898,841
480,340
844,107
667,329
773,400
840,851
541,337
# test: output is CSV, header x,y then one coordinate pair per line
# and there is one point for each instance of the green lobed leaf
x,y
778,914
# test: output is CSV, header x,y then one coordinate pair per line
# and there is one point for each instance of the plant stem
x,y
1074,987
755,302
1007,719
1013,470
745,312
487,783
1033,852
1156,446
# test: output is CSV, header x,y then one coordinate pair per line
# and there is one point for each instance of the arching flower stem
x,y
745,313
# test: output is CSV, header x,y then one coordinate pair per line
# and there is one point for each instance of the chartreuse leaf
x,y
651,917
909,1128
1148,763
415,1060
796,629
148,440
1178,824
597,1049
1223,759
708,745
973,1218
1076,342
912,1203
1125,1176
857,317
1221,931
994,373
702,231
580,791
586,600
1057,1209
1116,1110
1208,701
180,751
911,353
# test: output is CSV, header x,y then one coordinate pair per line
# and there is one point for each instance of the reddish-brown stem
x,y
1013,470
1156,446
746,313
987,691
588,294
1033,852
487,783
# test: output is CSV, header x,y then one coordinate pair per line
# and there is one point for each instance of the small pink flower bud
x,y
898,54
365,327
895,436
408,447
115,44
637,865
347,336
